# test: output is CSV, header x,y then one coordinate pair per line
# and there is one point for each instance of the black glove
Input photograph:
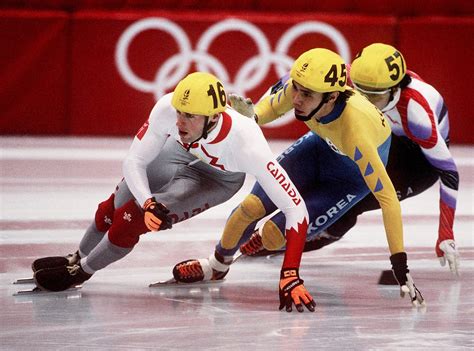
x,y
156,215
292,291
401,272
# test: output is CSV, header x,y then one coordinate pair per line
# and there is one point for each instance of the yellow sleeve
x,y
275,105
379,183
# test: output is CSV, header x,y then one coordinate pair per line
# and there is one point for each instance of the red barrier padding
x,y
62,75
361,7
404,8
440,50
34,84
105,103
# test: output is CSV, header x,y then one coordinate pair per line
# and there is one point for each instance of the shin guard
x,y
272,237
250,210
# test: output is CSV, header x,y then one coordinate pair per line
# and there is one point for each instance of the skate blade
x,y
174,283
24,281
38,291
237,256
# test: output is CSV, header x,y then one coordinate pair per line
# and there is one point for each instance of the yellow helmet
x,y
199,93
378,66
320,70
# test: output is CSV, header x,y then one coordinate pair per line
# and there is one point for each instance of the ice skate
x,y
55,261
24,281
254,247
60,278
47,262
172,282
35,291
195,272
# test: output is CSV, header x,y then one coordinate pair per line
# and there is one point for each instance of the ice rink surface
x,y
49,190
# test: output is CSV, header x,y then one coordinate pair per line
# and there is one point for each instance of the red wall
x,y
34,83
441,49
60,76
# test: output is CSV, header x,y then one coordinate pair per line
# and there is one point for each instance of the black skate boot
x,y
60,278
55,261
323,239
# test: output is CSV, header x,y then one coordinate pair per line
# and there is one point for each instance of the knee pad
x,y
127,226
250,210
105,214
272,237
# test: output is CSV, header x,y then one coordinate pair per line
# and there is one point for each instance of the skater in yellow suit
x,y
335,165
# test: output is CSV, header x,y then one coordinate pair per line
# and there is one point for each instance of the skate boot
x,y
319,241
60,278
254,247
55,261
196,270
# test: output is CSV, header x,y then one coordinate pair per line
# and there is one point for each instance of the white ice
x,y
49,190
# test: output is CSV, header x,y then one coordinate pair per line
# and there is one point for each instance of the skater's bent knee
x,y
105,214
250,210
252,207
128,225
272,237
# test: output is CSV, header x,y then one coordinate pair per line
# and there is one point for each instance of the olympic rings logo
x,y
249,75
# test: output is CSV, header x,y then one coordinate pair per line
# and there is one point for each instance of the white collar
x,y
394,102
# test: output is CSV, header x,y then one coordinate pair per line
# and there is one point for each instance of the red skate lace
x,y
190,269
253,245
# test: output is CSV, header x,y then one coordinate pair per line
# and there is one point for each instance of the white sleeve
x,y
144,149
255,157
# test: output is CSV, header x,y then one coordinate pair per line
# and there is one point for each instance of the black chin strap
x,y
324,100
392,94
205,130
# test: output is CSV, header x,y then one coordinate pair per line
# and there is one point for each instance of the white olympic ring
x,y
250,74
